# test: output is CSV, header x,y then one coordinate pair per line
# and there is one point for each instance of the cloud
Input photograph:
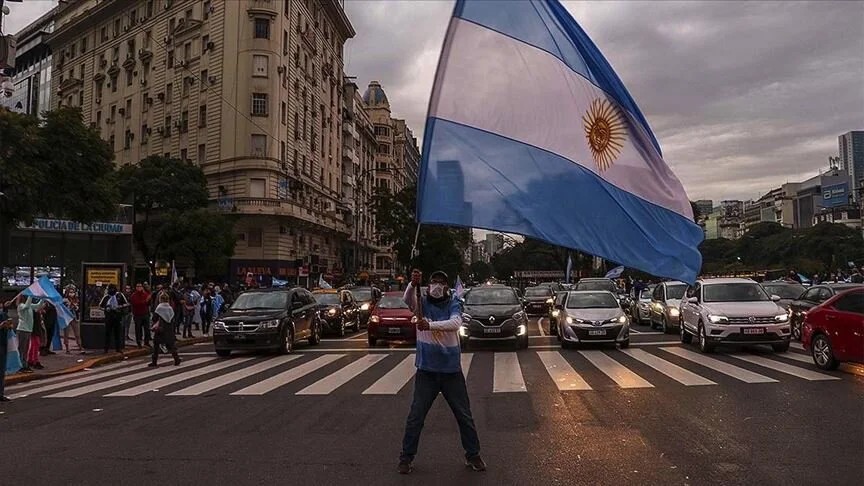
x,y
743,96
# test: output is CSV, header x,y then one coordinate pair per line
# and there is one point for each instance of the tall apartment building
x,y
494,243
851,146
31,83
705,206
250,90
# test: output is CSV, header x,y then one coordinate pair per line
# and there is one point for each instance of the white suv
x,y
733,311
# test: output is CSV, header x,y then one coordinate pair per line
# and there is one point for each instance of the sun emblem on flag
x,y
605,131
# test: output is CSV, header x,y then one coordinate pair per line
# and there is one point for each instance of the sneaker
x,y
177,361
476,463
405,467
152,365
5,399
38,366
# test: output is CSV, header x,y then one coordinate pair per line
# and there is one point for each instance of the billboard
x,y
835,195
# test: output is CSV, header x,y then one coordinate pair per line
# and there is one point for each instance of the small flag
x,y
615,272
44,289
322,284
459,288
803,279
174,277
569,269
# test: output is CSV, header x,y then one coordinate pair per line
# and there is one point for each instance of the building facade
x,y
851,146
494,243
31,81
705,206
249,90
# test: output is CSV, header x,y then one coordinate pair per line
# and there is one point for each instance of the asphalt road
x,y
595,416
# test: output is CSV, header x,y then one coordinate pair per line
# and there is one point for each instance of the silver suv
x,y
666,305
733,311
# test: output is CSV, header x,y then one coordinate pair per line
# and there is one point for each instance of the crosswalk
x,y
391,373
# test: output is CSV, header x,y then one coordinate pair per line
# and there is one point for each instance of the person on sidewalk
x,y
127,314
163,334
5,325
70,300
218,302
49,317
140,300
438,316
190,308
206,311
26,316
113,303
37,337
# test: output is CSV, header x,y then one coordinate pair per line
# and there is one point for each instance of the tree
x,y
480,270
202,236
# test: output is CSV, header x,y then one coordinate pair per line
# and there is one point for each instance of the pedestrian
x,y
70,300
6,324
218,302
127,313
438,317
37,337
163,335
49,317
113,303
140,300
227,294
206,311
190,307
26,317
856,277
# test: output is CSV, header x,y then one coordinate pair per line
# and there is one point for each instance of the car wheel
x,y
223,353
780,348
823,354
315,337
796,330
373,341
704,345
686,337
624,344
287,341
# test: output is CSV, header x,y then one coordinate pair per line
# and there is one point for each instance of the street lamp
x,y
358,184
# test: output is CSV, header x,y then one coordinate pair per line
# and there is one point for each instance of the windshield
x,y
362,294
734,292
597,285
538,292
392,302
675,291
327,299
261,300
646,294
593,300
785,291
491,297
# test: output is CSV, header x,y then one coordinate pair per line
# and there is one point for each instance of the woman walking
x,y
163,332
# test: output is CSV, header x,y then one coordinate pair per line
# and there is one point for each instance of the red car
x,y
834,331
391,320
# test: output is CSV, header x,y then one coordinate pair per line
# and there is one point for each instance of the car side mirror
x,y
559,306
775,298
693,300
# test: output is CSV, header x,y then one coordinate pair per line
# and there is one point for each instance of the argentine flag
x,y
530,131
44,289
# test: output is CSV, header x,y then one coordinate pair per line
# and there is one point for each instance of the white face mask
x,y
436,291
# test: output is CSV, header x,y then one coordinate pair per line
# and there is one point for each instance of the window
x,y
382,131
202,116
282,151
128,78
253,240
83,45
103,34
202,154
285,43
183,154
170,60
258,188
259,145
187,52
113,114
188,14
283,113
144,134
259,104
262,28
166,130
128,113
169,93
149,8
383,149
80,98
260,66
133,16
99,119
185,90
204,41
111,141
116,27
113,84
852,302
184,121
205,13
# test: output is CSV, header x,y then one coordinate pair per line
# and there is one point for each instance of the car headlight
x,y
364,307
332,312
550,301
220,326
519,316
622,319
463,331
718,319
521,330
268,324
673,312
555,313
374,319
781,317
569,320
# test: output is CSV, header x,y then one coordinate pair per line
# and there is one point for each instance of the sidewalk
x,y
61,363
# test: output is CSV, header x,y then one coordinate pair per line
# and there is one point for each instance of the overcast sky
x,y
743,96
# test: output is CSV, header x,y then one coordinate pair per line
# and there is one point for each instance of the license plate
x,y
394,330
597,332
492,330
753,330
239,337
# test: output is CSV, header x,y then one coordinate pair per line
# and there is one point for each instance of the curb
x,y
94,362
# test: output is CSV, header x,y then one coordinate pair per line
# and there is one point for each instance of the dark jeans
x,y
23,347
142,328
114,329
427,385
4,348
188,318
205,324
164,336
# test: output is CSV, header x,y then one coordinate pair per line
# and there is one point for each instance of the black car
x,y
539,300
787,291
493,313
812,297
268,319
337,310
366,298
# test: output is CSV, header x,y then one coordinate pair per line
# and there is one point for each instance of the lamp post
x,y
357,185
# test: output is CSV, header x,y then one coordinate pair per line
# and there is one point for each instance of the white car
x,y
733,311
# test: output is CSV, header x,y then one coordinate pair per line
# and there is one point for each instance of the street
x,y
656,413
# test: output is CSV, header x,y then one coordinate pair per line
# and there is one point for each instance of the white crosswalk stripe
x,y
564,376
89,373
785,368
395,379
58,383
677,373
804,358
746,376
619,373
186,375
123,380
795,345
507,376
326,385
286,377
227,379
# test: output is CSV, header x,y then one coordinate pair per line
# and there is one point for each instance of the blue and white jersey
x,y
438,348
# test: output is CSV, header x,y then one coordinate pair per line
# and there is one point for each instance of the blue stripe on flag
x,y
547,25
487,181
44,289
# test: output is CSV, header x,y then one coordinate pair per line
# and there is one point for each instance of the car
x,y
493,314
268,319
601,284
366,298
665,306
733,311
592,316
538,300
391,320
553,316
789,291
337,310
640,306
833,331
555,286
812,297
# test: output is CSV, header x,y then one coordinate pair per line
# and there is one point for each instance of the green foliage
x,y
199,235
534,254
480,270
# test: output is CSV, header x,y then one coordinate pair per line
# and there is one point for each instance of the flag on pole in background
x,y
530,131
44,289
459,288
174,277
569,268
322,284
615,272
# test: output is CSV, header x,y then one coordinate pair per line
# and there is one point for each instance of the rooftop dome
x,y
374,95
